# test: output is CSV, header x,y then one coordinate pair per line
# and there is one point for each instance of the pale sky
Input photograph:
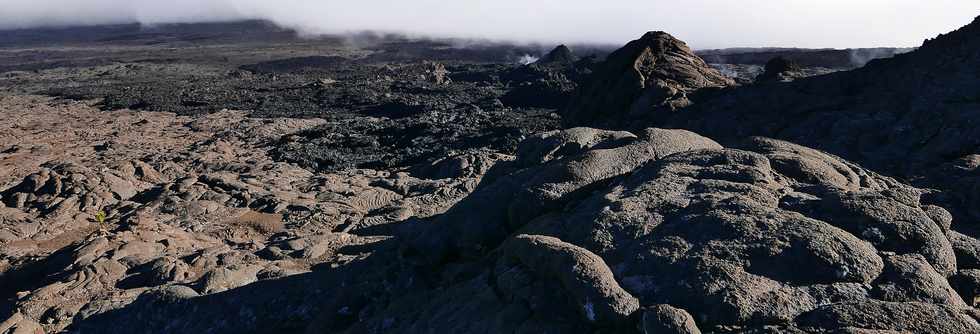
x,y
702,23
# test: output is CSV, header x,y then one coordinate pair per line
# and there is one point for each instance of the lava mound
x,y
781,69
559,55
669,229
647,77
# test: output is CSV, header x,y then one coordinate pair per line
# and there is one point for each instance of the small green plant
x,y
100,218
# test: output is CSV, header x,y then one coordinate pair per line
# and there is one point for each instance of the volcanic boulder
x,y
668,319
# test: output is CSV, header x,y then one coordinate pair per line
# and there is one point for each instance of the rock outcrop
x,y
767,234
643,80
912,116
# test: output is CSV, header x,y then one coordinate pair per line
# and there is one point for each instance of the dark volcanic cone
x,y
559,55
547,83
648,75
781,69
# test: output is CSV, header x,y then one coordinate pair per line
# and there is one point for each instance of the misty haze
x,y
702,23
300,166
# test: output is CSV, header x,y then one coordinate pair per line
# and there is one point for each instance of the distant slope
x,y
829,58
137,34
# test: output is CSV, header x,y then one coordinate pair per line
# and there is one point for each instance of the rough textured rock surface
x,y
645,79
967,284
770,235
879,316
194,207
912,116
552,170
584,229
668,320
583,275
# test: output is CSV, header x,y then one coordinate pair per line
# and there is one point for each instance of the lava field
x,y
240,178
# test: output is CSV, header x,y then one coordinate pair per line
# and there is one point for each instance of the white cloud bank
x,y
703,23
